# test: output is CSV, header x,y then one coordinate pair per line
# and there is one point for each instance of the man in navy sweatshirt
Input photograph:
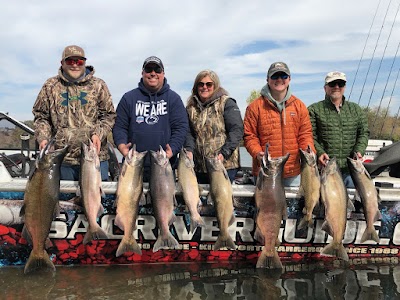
x,y
151,115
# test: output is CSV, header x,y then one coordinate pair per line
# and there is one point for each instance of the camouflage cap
x,y
335,75
153,60
73,50
278,67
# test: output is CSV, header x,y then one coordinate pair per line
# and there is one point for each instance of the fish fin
x,y
258,235
142,199
94,234
369,235
103,195
22,211
118,222
379,199
357,196
169,243
128,245
277,242
38,261
101,210
210,200
27,235
232,220
300,193
48,244
269,262
305,222
335,249
172,219
350,205
196,221
57,210
259,183
78,191
284,212
224,241
175,202
378,216
148,197
115,204
327,228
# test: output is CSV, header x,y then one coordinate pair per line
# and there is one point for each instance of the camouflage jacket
x,y
73,112
215,127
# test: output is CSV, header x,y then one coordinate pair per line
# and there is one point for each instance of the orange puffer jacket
x,y
263,123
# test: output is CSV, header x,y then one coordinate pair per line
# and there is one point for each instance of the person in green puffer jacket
x,y
340,127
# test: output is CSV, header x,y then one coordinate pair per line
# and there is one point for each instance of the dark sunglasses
x,y
279,75
208,84
77,61
340,83
149,69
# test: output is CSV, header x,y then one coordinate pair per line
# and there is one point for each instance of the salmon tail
x,y
224,241
38,261
94,234
196,221
166,243
269,262
370,235
335,249
128,245
306,221
259,236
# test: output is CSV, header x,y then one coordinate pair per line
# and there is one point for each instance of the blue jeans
x,y
71,172
348,181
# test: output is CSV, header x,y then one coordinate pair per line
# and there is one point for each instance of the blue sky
x,y
237,39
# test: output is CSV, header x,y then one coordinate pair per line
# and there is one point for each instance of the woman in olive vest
x,y
216,126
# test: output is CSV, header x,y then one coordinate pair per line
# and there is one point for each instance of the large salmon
x,y
309,186
369,197
41,205
336,201
91,191
162,193
190,189
128,196
270,208
222,196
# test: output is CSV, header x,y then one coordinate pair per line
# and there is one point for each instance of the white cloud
x,y
312,36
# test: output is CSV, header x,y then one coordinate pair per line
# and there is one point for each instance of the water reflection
x,y
311,280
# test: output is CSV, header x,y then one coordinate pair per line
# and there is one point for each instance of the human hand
x,y
260,156
189,155
96,142
168,151
323,159
221,157
43,144
124,148
359,156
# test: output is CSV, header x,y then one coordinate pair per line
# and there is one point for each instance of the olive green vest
x,y
209,131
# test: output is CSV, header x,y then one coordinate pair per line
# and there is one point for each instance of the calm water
x,y
361,279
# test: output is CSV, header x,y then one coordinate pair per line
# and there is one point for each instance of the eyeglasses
x,y
149,69
340,83
202,84
77,61
280,75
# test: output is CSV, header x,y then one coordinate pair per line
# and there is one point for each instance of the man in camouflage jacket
x,y
73,107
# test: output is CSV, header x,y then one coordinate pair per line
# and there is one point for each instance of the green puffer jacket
x,y
339,134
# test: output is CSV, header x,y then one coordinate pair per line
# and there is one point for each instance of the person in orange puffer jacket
x,y
280,119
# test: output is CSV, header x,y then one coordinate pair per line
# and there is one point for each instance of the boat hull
x,y
68,229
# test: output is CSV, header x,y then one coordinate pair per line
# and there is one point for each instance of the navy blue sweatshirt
x,y
151,119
